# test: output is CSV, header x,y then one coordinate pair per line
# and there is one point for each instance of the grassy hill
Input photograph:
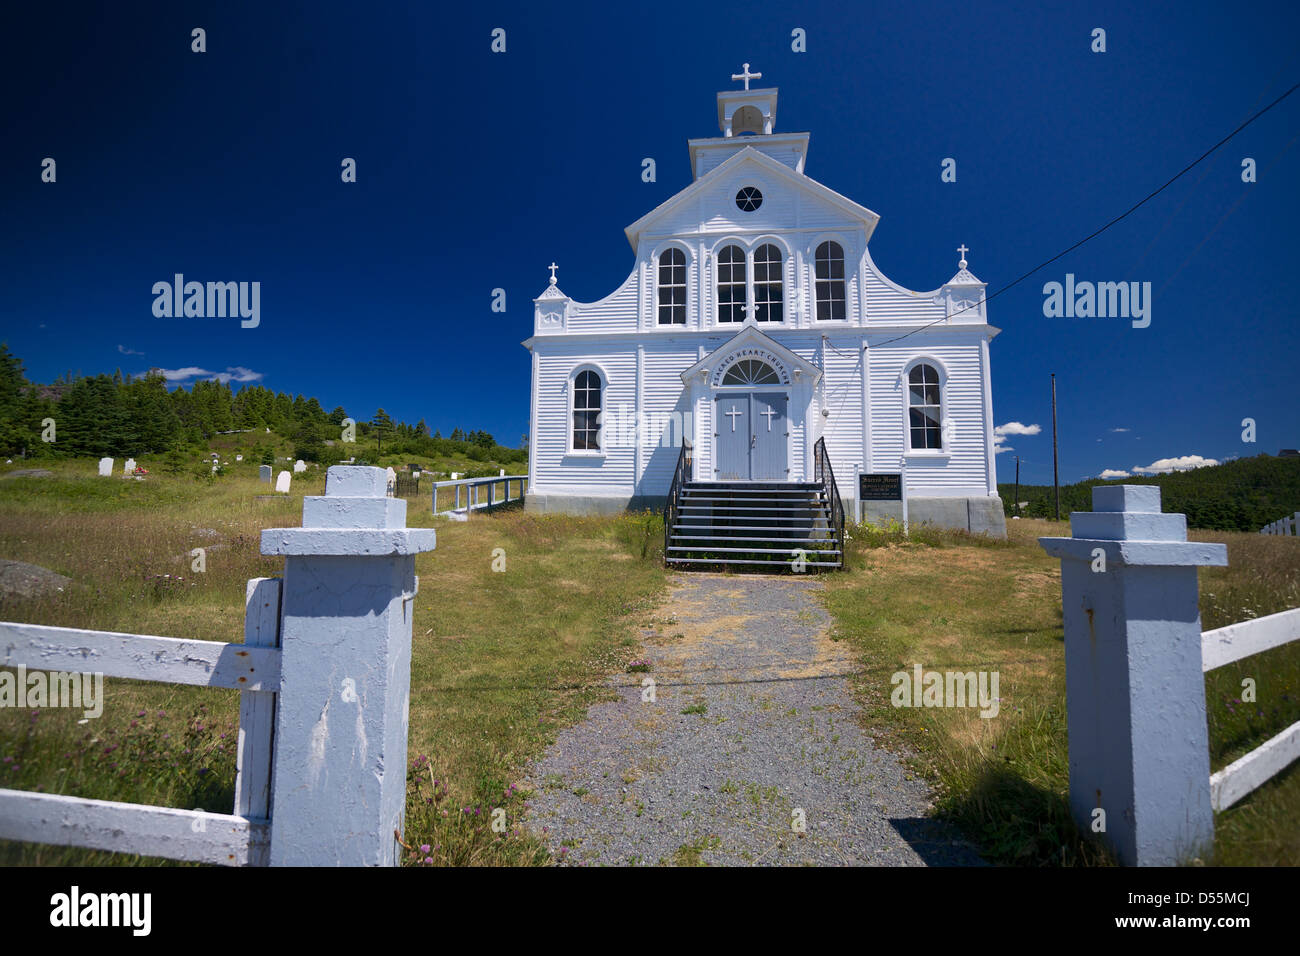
x,y
1240,495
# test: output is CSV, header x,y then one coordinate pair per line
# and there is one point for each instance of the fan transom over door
x,y
750,436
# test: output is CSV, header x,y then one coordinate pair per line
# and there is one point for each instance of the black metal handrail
x,y
824,476
670,506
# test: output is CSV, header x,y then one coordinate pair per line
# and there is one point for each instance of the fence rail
x,y
1289,526
473,492
1223,646
139,656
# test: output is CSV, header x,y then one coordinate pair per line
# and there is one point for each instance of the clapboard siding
x,y
616,312
710,159
667,409
842,397
885,304
556,467
963,472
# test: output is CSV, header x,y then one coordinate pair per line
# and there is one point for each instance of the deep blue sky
x,y
476,170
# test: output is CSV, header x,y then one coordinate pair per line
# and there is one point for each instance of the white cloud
x,y
1001,432
1164,466
1015,428
126,351
1118,429
236,373
1112,473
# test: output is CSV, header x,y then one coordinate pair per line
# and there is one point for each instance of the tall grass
x,y
952,602
501,660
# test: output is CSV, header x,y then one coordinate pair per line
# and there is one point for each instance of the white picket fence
x,y
1290,526
334,633
475,500
1135,662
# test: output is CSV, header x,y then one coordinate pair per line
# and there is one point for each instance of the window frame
x,y
830,283
661,286
767,304
940,386
571,447
732,284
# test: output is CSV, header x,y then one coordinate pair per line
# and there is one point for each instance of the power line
x,y
1124,215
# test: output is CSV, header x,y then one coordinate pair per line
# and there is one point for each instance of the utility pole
x,y
1056,476
1017,501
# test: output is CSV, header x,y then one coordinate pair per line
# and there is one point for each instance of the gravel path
x,y
750,731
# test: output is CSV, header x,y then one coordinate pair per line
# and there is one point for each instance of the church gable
x,y
786,200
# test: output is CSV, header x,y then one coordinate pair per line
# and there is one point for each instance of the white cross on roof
x,y
552,267
746,76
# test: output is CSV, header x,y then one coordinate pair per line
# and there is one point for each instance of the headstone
x,y
239,458
415,474
129,467
264,473
454,476
299,466
282,483
503,472
105,467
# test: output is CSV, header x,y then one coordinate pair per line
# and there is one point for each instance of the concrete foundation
x,y
978,515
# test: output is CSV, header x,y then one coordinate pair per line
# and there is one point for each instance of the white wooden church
x,y
753,324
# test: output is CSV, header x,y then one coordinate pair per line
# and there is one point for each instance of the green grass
x,y
951,601
501,660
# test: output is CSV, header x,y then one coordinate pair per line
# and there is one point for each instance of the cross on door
x,y
769,413
733,414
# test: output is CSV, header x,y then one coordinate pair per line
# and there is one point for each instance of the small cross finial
x,y
746,76
552,267
963,250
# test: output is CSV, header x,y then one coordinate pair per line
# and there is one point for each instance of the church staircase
x,y
753,525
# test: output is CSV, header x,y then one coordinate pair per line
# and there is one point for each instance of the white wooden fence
x,y
311,788
1222,646
1290,525
1135,680
474,498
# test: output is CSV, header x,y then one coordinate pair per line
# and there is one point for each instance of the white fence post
x,y
1135,691
339,780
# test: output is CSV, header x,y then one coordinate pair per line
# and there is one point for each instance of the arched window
x,y
731,285
672,287
768,297
751,372
586,411
830,281
925,410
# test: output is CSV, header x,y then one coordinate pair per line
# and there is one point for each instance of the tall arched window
x,y
768,296
586,411
731,284
830,280
925,409
672,287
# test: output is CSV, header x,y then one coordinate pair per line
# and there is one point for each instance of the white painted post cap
x,y
356,481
